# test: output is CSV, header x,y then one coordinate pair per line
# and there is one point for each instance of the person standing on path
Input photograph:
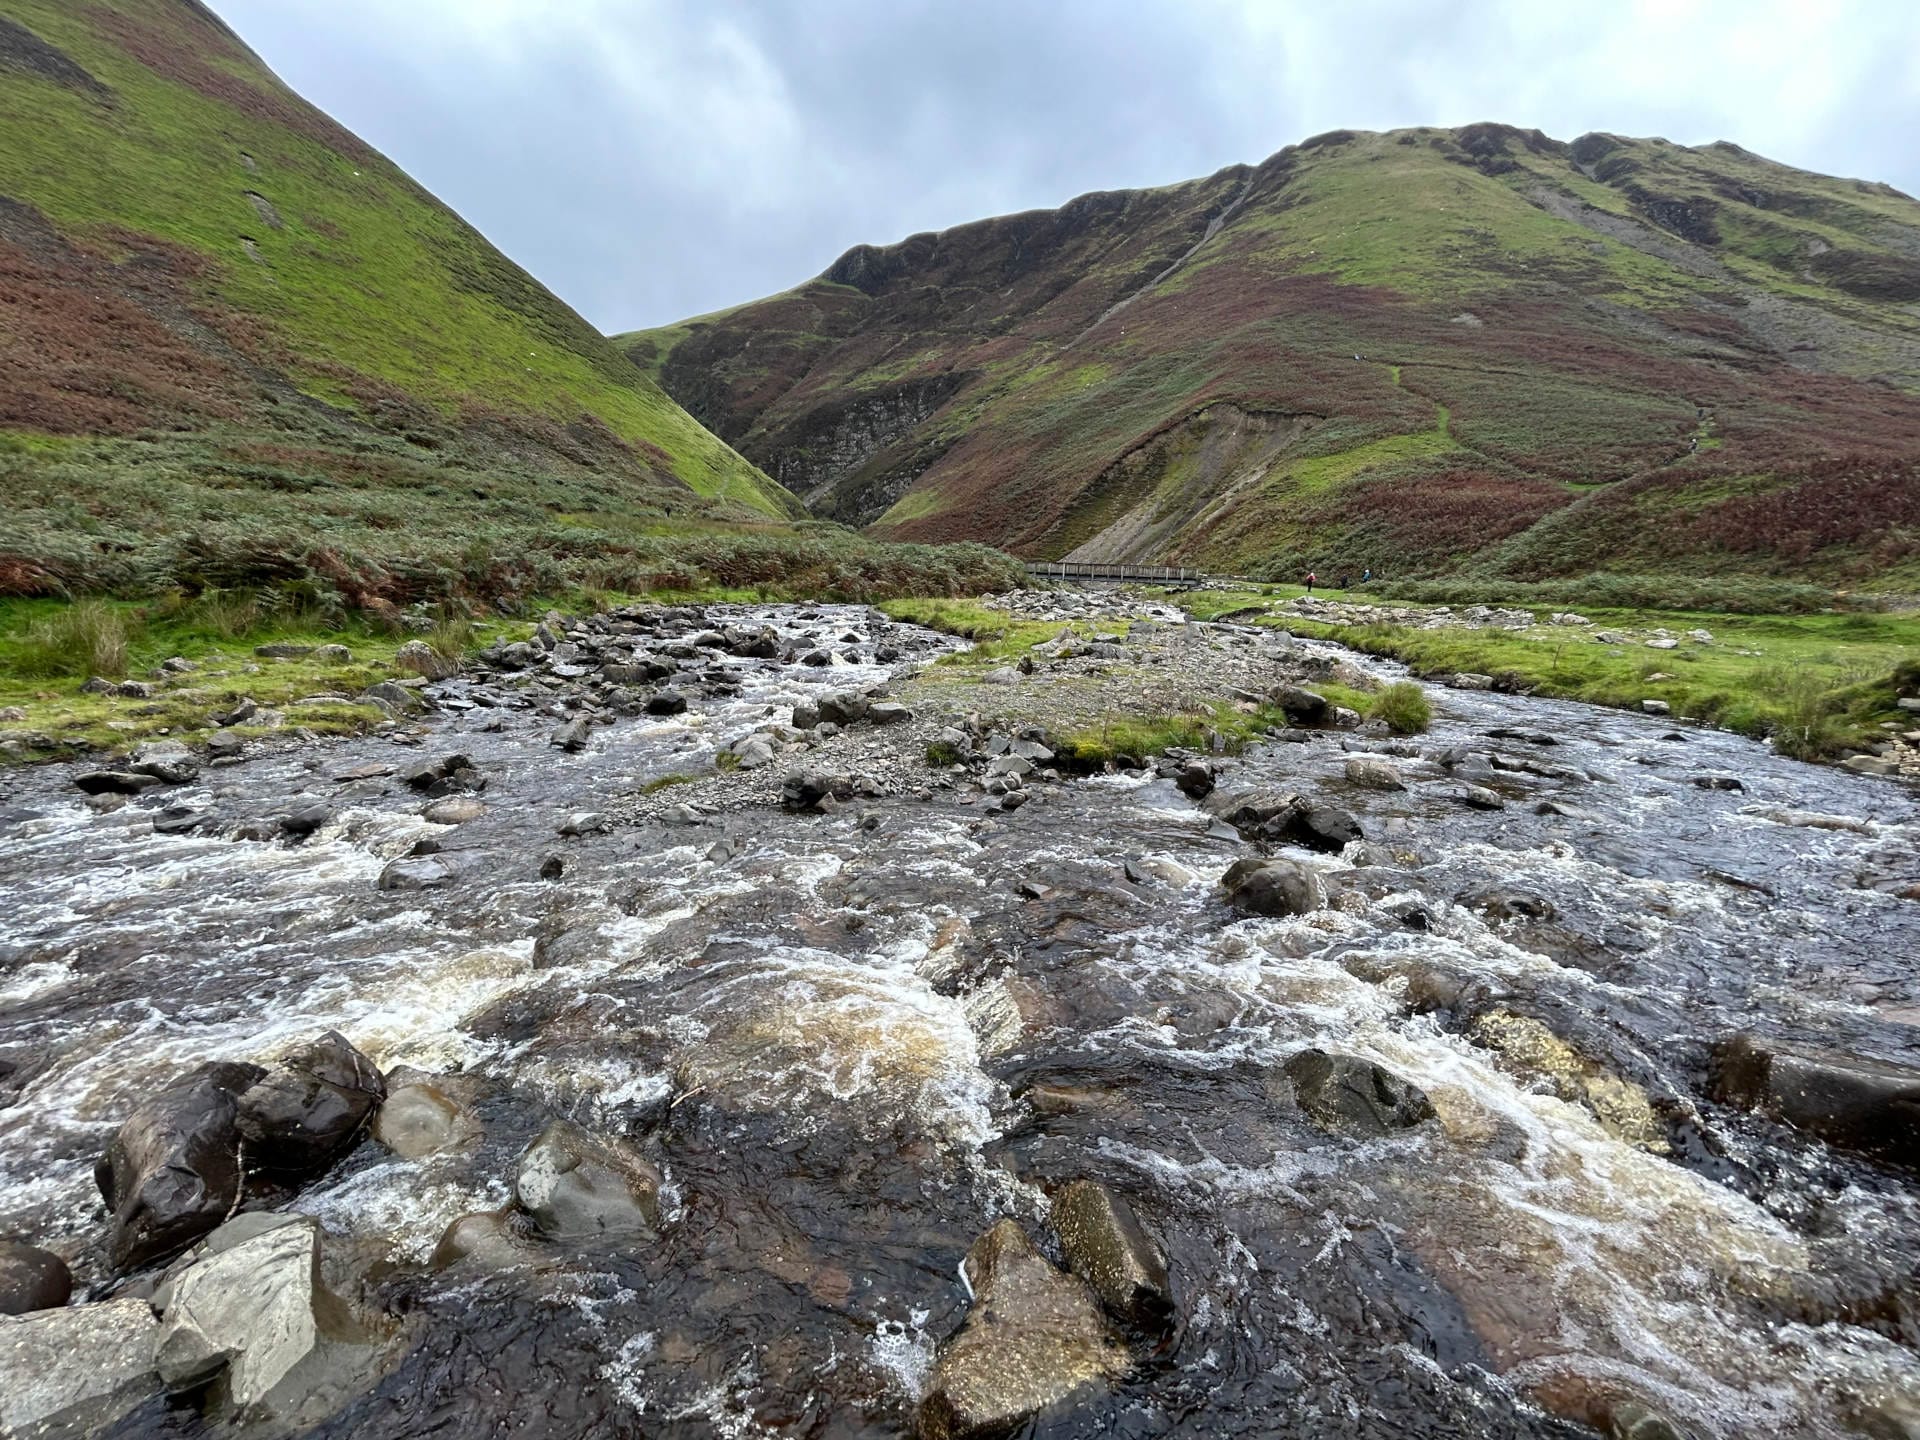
x,y
1311,577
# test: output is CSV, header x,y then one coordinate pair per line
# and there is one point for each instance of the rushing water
x,y
852,1049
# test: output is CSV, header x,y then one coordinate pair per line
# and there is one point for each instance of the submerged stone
x,y
1351,1096
580,1186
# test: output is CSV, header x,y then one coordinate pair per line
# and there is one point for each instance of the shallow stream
x,y
852,1049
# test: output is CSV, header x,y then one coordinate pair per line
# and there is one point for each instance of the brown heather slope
x,y
1614,353
239,346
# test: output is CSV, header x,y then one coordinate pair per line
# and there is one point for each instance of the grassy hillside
x,y
1478,352
232,334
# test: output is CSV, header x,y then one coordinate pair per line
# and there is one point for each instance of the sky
x,y
654,159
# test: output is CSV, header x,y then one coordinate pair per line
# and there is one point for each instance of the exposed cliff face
x,y
1487,347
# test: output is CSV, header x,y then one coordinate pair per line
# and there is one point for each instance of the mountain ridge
x,y
1517,355
226,311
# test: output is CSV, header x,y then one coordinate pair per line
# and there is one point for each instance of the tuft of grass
x,y
87,638
1402,707
452,637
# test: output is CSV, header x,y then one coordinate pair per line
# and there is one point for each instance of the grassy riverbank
x,y
1818,684
51,648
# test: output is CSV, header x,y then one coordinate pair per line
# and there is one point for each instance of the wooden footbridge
x,y
1119,574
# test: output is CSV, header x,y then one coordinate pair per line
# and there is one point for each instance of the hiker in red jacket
x,y
1311,577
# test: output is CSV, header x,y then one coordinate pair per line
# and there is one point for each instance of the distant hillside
x,y
1471,351
235,335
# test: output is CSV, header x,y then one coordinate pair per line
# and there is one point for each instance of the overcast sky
x,y
653,159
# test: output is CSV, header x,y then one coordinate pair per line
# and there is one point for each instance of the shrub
x,y
1402,707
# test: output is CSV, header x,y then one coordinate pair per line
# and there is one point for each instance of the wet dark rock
x,y
805,716
75,1371
1317,827
1106,1246
761,644
572,736
225,745
667,702
817,658
311,1107
842,707
1718,782
1273,887
811,790
299,824
580,1186
32,1279
427,774
171,764
1474,797
1351,1096
1850,1101
134,690
415,873
1505,902
1032,1339
553,867
1306,707
115,782
172,1171
255,1317
1195,779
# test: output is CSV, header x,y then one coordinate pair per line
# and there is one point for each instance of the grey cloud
x,y
656,159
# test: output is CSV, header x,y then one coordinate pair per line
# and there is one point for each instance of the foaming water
x,y
850,1050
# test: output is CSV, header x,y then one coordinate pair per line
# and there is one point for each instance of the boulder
x,y
805,716
1303,706
1469,680
1033,1337
32,1279
282,650
172,1170
333,655
1195,779
580,1186
1870,1106
1273,887
584,822
420,658
810,790
311,1108
888,712
1351,1096
396,699
256,1317
115,782
75,1371
572,737
1656,707
1317,827
843,707
420,1119
454,810
169,763
415,873
753,753
1106,1247
667,702
1373,773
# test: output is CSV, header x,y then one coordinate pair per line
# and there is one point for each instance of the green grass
x,y
1816,683
1402,707
90,638
1140,735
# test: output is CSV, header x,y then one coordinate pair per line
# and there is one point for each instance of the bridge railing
x,y
1094,570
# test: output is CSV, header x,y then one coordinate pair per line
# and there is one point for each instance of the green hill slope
x,y
232,335
1478,351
